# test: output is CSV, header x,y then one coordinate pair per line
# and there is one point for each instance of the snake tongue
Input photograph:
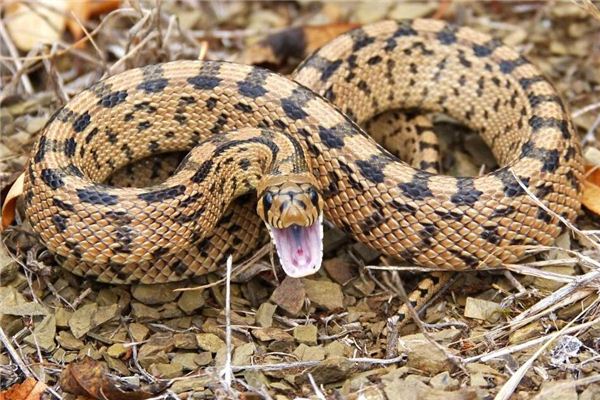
x,y
300,248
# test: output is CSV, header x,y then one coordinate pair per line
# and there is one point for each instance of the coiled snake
x,y
299,144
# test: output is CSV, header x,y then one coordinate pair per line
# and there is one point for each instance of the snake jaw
x,y
300,248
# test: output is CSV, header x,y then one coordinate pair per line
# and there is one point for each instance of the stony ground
x,y
530,334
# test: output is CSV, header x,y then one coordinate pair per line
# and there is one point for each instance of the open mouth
x,y
300,248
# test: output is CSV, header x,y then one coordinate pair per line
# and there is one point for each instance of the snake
x,y
285,152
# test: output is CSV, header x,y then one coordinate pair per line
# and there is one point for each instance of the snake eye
x,y
267,201
314,197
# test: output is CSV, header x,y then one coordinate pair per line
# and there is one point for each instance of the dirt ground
x,y
531,333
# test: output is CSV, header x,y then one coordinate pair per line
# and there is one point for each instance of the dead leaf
x,y
29,389
10,202
296,42
32,23
90,378
85,10
591,190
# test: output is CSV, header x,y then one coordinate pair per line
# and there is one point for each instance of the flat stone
x,y
62,317
242,355
444,381
209,342
264,315
43,334
203,358
138,331
166,370
155,294
116,350
191,301
306,334
272,333
186,341
327,295
482,309
289,295
142,312
186,360
196,384
337,349
69,342
309,353
332,370
340,270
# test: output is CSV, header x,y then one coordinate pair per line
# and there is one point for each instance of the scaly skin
x,y
117,235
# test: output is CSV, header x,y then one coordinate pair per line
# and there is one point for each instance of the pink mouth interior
x,y
300,248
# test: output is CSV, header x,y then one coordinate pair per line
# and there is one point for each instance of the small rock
x,y
196,384
264,315
139,332
327,295
166,370
155,349
289,295
155,294
116,350
203,358
90,316
104,314
424,356
117,365
309,353
186,341
43,334
142,312
526,332
337,349
186,360
340,270
81,320
550,284
332,370
209,342
444,381
366,253
482,310
242,355
190,301
170,310
268,334
68,342
306,334
62,317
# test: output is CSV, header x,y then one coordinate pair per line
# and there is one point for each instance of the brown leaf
x,y
591,190
85,10
296,42
90,378
8,207
30,389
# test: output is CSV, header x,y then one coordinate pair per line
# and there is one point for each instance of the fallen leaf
x,y
591,190
29,389
33,23
85,10
90,378
10,202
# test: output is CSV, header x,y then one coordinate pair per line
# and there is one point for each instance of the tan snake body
x,y
157,234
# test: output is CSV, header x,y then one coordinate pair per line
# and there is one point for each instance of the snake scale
x,y
185,226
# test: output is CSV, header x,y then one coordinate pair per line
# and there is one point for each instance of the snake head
x,y
292,209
